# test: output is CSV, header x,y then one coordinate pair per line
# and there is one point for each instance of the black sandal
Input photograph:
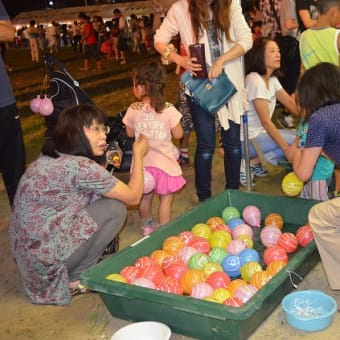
x,y
80,289
112,248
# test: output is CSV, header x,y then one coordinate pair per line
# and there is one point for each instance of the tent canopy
x,y
69,14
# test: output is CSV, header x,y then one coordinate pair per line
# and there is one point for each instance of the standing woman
x,y
221,26
68,207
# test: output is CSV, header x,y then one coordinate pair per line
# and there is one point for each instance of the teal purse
x,y
210,95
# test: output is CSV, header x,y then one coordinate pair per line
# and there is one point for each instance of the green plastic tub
x,y
198,318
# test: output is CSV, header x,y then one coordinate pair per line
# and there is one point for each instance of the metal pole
x,y
246,150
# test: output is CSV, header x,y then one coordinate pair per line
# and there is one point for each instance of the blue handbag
x,y
210,95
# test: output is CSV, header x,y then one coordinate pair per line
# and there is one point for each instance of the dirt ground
x,y
87,318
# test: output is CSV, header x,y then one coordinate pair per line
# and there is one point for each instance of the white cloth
x,y
178,20
256,89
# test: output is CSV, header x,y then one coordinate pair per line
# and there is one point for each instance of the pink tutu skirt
x,y
165,184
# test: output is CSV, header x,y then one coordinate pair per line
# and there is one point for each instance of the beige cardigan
x,y
178,20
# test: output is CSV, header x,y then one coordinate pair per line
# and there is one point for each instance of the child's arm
x,y
129,131
177,131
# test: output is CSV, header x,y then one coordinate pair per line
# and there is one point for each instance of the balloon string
x,y
229,198
291,279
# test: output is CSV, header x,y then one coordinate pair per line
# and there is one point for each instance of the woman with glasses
x,y
68,207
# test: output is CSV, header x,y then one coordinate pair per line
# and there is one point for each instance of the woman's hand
x,y
140,146
216,69
190,64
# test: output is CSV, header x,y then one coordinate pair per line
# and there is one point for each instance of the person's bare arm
x,y
131,193
304,161
7,31
291,24
177,131
287,101
306,18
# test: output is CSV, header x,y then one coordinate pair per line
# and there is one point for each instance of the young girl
x,y
159,121
317,186
318,93
263,89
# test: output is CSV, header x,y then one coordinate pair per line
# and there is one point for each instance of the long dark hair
x,y
68,136
319,86
255,60
153,77
199,13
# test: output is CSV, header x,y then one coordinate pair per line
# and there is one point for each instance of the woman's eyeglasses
x,y
98,129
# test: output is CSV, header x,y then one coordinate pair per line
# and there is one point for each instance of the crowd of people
x,y
111,36
68,192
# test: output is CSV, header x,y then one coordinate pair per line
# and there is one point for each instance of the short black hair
x,y
254,58
68,136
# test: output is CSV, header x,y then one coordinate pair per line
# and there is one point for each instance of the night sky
x,y
14,7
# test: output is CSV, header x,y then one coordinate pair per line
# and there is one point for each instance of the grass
x,y
110,89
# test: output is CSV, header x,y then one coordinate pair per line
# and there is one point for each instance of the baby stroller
x,y
65,92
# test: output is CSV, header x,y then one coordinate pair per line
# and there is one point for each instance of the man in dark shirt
x,y
307,13
12,151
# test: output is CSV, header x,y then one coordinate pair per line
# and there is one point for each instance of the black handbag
x,y
210,95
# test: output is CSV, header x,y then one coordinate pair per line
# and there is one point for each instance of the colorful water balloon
x,y
201,290
35,104
230,212
231,265
270,235
218,280
274,253
288,241
304,235
149,182
252,215
235,247
248,269
291,185
274,219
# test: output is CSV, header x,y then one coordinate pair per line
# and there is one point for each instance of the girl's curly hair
x,y
153,77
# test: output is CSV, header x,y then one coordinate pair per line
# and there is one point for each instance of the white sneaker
x,y
243,175
258,170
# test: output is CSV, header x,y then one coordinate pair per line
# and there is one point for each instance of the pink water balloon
x,y
252,215
35,104
46,107
242,229
149,182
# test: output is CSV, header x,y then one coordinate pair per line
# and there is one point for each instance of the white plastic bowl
x,y
145,330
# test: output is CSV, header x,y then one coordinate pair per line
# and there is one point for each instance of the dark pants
x,y
110,216
290,65
204,125
12,150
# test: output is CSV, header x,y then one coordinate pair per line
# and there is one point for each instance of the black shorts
x,y
122,44
91,51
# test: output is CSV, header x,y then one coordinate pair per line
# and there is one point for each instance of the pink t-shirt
x,y
143,119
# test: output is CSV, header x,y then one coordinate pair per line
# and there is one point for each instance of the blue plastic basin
x,y
309,310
